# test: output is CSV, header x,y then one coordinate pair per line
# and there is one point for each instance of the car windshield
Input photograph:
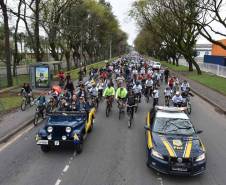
x,y
173,126
59,118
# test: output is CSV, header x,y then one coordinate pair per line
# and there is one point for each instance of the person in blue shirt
x,y
82,105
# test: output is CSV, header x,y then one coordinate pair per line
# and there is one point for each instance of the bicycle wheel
x,y
36,119
119,114
107,110
23,105
189,108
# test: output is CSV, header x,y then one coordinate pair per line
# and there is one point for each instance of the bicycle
x,y
120,107
130,114
148,93
26,100
95,101
39,112
167,101
108,105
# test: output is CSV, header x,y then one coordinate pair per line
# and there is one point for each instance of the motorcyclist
x,y
177,99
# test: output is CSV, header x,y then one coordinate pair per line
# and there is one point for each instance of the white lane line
x,y
160,180
58,182
4,146
66,168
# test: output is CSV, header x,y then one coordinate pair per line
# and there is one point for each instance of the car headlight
x,y
50,129
201,157
68,129
156,154
49,137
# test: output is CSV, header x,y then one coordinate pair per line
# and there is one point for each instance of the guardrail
x,y
210,68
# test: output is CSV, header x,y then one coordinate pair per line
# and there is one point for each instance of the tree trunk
x,y
36,32
7,43
53,51
67,56
199,72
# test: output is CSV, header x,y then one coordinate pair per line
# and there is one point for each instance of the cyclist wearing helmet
x,y
137,89
121,93
177,99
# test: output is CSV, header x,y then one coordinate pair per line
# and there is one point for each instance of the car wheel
x,y
45,149
78,148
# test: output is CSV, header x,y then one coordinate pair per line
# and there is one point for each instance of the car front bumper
x,y
56,143
173,168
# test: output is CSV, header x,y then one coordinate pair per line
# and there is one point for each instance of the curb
x,y
209,101
6,137
9,88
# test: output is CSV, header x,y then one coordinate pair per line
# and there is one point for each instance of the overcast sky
x,y
121,10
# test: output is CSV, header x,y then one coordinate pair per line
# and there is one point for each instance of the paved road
x,y
113,155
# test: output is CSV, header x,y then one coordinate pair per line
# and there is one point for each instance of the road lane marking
x,y
58,182
5,145
160,180
66,168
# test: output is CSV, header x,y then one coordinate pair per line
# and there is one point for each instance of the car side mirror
x,y
146,127
199,131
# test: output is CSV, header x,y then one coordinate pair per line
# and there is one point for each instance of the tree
x,y
172,21
7,43
213,11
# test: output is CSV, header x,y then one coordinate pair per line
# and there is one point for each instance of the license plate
x,y
56,143
179,169
43,142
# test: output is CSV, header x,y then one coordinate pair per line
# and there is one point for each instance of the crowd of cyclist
x,y
125,81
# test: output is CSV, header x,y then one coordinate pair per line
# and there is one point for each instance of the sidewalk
x,y
213,97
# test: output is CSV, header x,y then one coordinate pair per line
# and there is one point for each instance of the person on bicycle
x,y
185,86
41,102
109,92
100,87
148,86
168,93
130,100
155,96
26,90
137,89
177,99
166,74
121,93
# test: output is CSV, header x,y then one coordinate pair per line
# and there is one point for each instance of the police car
x,y
173,144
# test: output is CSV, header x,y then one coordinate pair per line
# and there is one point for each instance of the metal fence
x,y
210,68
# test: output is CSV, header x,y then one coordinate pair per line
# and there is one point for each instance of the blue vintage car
x,y
65,127
173,144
